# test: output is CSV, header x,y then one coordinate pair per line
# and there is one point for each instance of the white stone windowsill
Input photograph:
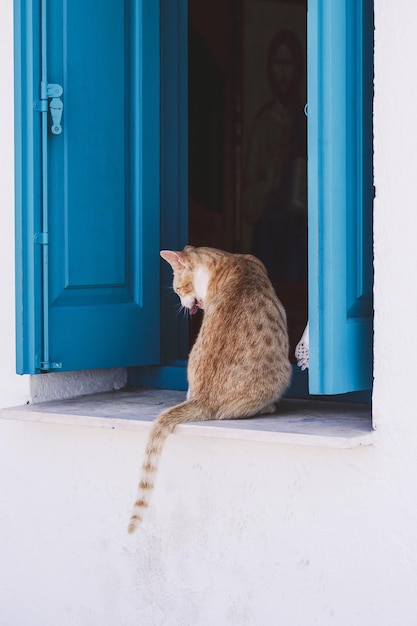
x,y
297,422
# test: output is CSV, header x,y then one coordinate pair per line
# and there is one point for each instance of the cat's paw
x,y
302,351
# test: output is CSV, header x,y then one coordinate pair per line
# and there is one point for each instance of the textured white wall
x,y
239,533
13,389
395,216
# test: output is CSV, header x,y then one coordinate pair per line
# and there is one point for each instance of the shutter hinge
x,y
52,92
41,238
47,366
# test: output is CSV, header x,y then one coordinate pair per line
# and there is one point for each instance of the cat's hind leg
x,y
237,413
269,409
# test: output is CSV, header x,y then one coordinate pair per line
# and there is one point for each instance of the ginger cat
x,y
238,366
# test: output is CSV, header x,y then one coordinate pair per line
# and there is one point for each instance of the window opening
x,y
247,139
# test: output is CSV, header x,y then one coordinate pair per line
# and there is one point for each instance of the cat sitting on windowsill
x,y
238,366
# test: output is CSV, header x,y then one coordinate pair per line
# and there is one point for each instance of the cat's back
x,y
242,292
244,321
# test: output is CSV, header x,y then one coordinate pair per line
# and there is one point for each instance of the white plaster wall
x,y
13,388
239,533
63,385
395,217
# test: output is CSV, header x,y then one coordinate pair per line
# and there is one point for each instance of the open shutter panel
x,y
95,224
340,89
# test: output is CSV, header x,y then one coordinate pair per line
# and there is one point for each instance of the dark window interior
x,y
247,139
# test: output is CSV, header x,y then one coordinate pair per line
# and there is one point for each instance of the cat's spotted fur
x,y
238,366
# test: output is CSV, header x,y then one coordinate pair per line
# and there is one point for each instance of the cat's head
x,y
190,277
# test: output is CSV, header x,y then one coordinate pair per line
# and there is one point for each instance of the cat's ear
x,y
175,259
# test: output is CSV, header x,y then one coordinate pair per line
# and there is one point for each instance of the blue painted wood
x,y
27,185
103,186
174,194
340,37
168,376
174,167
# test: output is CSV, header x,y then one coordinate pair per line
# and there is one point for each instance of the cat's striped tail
x,y
188,411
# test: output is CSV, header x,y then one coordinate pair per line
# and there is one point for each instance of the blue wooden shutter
x,y
172,372
87,197
340,88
